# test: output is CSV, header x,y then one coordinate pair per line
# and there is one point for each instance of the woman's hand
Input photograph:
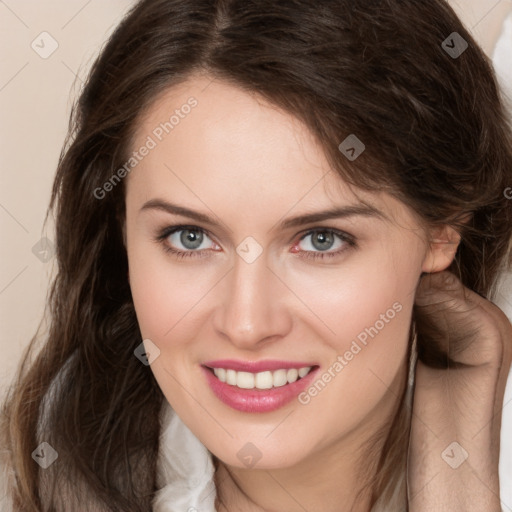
x,y
464,359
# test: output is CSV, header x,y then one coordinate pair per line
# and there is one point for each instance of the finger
x,y
443,291
456,324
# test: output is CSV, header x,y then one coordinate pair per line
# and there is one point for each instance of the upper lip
x,y
255,366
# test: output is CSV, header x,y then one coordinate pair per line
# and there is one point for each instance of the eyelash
x,y
320,255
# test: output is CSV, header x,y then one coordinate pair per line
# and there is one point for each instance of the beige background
x,y
35,100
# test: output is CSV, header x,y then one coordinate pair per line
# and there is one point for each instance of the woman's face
x,y
259,289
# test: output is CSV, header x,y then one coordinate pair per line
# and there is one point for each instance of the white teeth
x,y
280,378
292,375
304,371
220,373
245,380
231,377
261,380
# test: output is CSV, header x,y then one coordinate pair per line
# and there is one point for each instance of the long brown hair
x,y
436,136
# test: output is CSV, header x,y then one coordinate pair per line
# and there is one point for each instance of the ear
x,y
444,241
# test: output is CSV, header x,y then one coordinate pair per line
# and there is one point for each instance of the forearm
x,y
454,450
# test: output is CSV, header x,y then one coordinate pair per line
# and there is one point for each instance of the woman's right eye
x,y
185,241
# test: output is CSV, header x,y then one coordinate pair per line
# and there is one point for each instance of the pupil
x,y
323,240
191,239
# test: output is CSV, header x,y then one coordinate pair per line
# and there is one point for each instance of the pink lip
x,y
257,400
256,366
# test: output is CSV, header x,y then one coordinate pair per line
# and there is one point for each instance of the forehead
x,y
212,141
214,118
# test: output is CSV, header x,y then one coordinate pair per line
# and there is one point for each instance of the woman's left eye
x,y
191,241
324,243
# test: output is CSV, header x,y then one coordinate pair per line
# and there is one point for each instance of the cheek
x,y
371,319
371,288
371,310
163,292
366,305
167,300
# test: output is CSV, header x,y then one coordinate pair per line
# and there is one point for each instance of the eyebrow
x,y
362,209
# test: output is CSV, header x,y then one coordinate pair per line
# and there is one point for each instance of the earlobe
x,y
442,249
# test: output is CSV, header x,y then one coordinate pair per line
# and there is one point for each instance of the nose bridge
x,y
251,311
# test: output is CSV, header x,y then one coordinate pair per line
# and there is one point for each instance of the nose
x,y
253,310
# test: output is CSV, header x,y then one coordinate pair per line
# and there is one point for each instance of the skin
x,y
249,166
459,405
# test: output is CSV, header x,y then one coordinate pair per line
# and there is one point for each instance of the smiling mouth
x,y
261,380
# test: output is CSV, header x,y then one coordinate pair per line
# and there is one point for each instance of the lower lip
x,y
257,400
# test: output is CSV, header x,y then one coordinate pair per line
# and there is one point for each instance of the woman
x,y
279,229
